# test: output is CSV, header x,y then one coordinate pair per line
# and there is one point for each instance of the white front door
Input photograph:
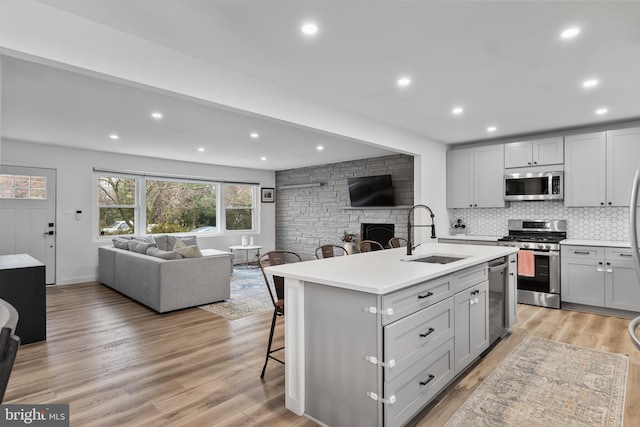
x,y
28,215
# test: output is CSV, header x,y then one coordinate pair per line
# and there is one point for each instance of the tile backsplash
x,y
588,223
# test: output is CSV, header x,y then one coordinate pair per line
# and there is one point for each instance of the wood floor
x,y
118,363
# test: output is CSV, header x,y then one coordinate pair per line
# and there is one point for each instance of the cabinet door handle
x,y
427,295
629,255
428,380
426,334
581,252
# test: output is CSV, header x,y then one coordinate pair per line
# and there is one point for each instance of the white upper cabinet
x,y
585,169
623,157
549,151
475,177
599,167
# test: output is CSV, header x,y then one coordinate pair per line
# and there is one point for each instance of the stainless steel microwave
x,y
534,185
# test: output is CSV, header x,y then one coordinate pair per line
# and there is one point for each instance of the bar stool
x,y
397,242
369,245
277,294
329,251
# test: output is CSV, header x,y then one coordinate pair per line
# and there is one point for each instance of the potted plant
x,y
348,239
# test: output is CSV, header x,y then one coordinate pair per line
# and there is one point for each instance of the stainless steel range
x,y
541,284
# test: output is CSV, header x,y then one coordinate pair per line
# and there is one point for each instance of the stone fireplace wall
x,y
308,217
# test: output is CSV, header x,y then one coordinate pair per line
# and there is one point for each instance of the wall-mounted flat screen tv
x,y
371,191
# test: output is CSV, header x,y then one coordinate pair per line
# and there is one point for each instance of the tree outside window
x,y
117,205
175,206
238,203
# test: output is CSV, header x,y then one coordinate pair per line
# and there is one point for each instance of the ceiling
x,y
503,62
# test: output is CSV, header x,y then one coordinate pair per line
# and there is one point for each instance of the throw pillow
x,y
187,240
161,242
191,251
159,253
121,243
139,247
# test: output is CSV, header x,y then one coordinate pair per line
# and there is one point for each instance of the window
x,y
23,187
116,205
173,205
239,202
176,207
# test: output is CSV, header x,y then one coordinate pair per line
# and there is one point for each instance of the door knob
x,y
49,233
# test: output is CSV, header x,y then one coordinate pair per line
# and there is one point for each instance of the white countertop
x,y
605,243
469,237
382,272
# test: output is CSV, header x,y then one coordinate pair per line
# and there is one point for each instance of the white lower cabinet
x,y
471,308
376,360
599,276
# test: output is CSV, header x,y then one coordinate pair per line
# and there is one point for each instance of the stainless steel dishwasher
x,y
497,298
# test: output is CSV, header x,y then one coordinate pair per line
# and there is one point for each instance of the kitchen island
x,y
372,338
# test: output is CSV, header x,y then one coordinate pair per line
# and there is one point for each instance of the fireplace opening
x,y
380,233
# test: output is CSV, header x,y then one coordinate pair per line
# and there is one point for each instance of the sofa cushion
x,y
145,239
191,251
159,253
187,240
161,242
121,243
139,247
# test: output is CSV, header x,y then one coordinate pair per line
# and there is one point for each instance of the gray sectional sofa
x,y
167,284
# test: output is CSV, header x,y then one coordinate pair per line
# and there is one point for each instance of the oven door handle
x,y
547,254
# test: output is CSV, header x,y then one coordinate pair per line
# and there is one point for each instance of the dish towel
x,y
526,263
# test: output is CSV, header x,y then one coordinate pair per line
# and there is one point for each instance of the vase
x,y
348,246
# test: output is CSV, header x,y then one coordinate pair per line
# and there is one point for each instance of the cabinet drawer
x,y
412,338
618,254
410,300
468,277
415,387
583,252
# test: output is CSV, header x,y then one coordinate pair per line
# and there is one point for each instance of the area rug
x,y
548,383
249,296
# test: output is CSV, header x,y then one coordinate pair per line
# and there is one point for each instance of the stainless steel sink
x,y
438,259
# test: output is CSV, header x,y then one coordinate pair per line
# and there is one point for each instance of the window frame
x,y
140,207
255,214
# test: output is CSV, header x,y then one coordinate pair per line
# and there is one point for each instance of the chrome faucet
x,y
410,246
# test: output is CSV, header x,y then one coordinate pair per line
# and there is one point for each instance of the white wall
x,y
76,241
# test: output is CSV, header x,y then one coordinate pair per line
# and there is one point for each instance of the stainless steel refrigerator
x,y
633,236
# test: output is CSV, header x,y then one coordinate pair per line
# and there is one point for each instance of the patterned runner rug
x,y
548,383
249,296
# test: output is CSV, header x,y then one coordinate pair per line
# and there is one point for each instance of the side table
x,y
247,249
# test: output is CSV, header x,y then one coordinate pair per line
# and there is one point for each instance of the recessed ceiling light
x,y
114,136
309,28
570,32
590,83
201,149
254,135
156,115
602,111
492,129
263,158
457,110
319,148
404,81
